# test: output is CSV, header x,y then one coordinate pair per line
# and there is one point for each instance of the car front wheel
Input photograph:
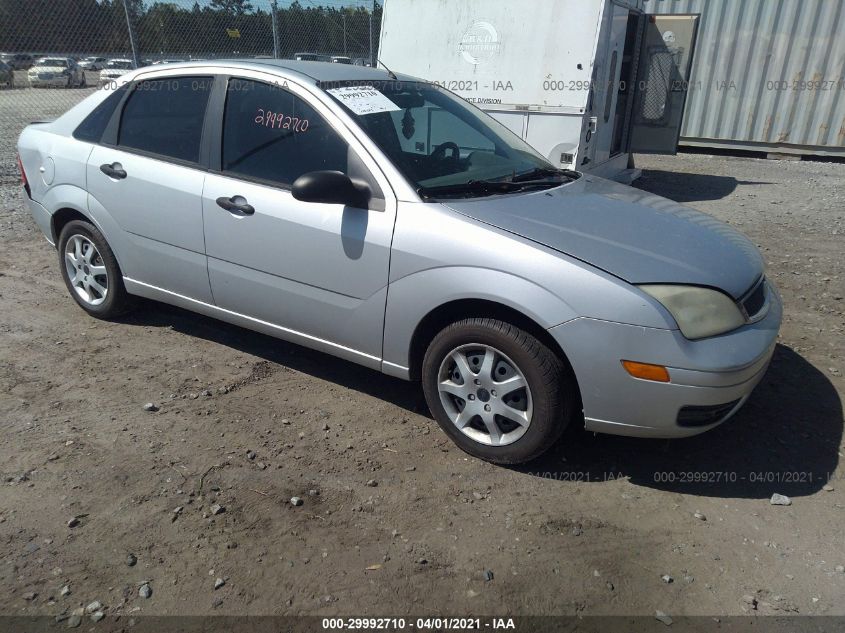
x,y
90,271
497,391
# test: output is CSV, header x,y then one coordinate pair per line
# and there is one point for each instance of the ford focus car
x,y
388,222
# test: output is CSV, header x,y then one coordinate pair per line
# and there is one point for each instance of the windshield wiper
x,y
545,172
483,187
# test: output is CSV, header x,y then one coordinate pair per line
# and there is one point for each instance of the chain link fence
x,y
35,35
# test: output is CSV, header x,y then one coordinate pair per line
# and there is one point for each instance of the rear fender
x,y
79,200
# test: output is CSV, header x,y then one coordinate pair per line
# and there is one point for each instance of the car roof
x,y
313,71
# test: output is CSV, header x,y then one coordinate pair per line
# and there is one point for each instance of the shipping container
x,y
768,75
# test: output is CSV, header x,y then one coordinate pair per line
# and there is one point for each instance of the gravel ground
x,y
101,496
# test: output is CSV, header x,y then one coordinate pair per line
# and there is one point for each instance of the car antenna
x,y
389,72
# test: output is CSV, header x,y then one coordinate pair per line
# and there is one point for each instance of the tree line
x,y
210,28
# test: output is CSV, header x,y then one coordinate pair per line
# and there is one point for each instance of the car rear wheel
x,y
90,271
497,391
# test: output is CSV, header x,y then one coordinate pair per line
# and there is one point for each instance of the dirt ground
x,y
395,520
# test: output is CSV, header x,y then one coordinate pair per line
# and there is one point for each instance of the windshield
x,y
442,144
52,62
120,65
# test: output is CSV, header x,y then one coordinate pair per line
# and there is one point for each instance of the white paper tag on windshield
x,y
364,99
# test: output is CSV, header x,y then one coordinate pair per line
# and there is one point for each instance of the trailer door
x,y
662,83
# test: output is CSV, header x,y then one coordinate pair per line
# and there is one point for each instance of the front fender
x,y
411,298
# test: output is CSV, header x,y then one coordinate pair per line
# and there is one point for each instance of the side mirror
x,y
331,187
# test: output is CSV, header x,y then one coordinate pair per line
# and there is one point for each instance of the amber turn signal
x,y
657,373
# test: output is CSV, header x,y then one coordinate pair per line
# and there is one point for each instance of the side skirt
x,y
159,294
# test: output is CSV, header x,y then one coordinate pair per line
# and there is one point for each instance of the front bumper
x,y
711,372
58,81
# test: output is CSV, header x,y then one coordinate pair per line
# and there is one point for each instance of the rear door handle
x,y
236,204
115,170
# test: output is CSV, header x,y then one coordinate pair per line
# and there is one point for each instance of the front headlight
x,y
699,312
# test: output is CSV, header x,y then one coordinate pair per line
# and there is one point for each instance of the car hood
x,y
632,234
47,69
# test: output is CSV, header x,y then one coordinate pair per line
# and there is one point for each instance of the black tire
x,y
554,391
117,301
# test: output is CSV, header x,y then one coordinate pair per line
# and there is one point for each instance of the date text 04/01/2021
x,y
425,624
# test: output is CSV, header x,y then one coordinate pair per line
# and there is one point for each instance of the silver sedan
x,y
390,223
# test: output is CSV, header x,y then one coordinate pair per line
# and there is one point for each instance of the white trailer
x,y
585,82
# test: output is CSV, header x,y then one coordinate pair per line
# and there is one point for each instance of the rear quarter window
x,y
92,128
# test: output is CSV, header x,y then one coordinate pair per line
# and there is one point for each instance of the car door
x,y
318,273
148,176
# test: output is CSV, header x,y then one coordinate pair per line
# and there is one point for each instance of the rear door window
x,y
273,136
165,117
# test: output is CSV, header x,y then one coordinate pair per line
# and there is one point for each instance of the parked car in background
x,y
362,61
115,68
93,63
340,59
58,72
385,220
7,75
18,61
310,57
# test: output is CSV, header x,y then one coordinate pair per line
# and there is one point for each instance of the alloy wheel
x,y
86,270
485,394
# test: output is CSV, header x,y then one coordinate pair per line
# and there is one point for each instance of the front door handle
x,y
236,204
115,170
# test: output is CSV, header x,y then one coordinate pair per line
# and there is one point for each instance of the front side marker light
x,y
646,371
